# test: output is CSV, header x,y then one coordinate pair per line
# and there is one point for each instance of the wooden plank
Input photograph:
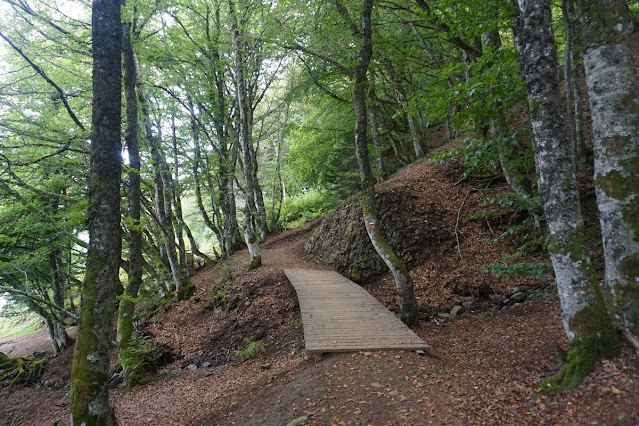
x,y
341,316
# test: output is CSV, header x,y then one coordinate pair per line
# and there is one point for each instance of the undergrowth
x,y
306,207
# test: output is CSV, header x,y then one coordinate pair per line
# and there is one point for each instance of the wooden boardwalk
x,y
341,316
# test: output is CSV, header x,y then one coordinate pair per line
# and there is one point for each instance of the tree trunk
x,y
127,304
250,219
403,281
400,94
568,66
163,200
372,116
586,320
613,91
90,372
177,198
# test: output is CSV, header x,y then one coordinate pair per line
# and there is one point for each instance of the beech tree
x,y
613,91
586,320
90,373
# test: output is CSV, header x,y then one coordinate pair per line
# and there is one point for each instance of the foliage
x,y
514,270
306,207
17,320
250,349
142,357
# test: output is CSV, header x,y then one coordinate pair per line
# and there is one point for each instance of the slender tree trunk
x,y
177,198
250,219
403,281
372,116
163,200
400,94
613,91
90,372
127,305
568,66
586,320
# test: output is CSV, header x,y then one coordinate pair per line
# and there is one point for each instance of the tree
x,y
613,91
90,373
403,281
134,272
245,133
586,320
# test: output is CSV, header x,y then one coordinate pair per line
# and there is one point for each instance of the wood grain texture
x,y
340,316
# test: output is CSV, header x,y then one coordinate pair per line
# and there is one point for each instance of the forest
x,y
143,140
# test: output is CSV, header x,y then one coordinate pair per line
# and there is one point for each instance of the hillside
x,y
484,366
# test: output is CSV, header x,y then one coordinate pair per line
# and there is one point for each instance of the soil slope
x,y
483,369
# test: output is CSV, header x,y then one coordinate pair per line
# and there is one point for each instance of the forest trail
x,y
485,368
340,316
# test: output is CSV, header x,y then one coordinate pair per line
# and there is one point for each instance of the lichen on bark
x,y
585,318
613,91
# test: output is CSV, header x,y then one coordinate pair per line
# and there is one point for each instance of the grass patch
x,y
18,323
305,207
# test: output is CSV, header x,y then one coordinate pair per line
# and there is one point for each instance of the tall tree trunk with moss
x,y
586,320
251,215
127,303
90,372
403,281
613,91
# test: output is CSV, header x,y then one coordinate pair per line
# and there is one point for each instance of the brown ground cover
x,y
484,366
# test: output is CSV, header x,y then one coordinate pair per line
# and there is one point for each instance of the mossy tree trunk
x,y
251,214
403,281
90,372
127,304
586,320
613,91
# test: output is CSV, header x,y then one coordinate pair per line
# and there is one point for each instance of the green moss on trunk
x,y
595,338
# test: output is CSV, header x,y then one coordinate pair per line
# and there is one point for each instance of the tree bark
x,y
250,219
568,66
163,200
613,91
372,116
177,198
134,272
90,372
403,281
586,320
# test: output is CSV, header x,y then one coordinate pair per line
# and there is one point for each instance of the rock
x,y
377,385
402,399
297,421
341,238
518,297
367,354
467,305
192,367
443,315
456,311
266,366
206,364
394,392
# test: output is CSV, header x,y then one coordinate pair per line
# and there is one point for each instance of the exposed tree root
x,y
21,370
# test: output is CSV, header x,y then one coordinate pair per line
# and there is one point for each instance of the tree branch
x,y
40,71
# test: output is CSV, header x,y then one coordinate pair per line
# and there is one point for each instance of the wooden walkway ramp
x,y
341,316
